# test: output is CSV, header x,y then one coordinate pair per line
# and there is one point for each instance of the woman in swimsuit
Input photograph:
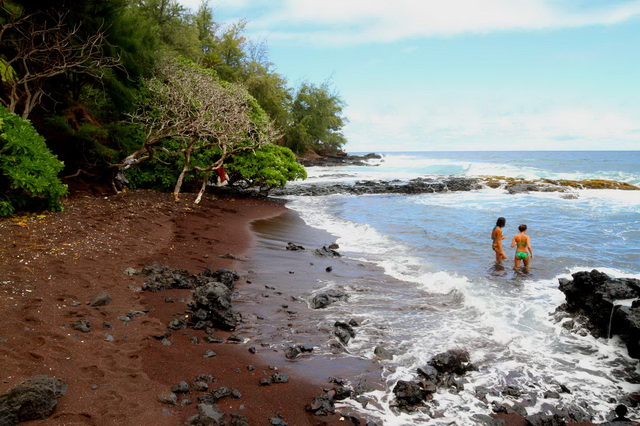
x,y
524,252
497,237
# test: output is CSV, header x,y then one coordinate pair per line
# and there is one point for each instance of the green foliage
x,y
173,25
7,73
317,120
268,167
28,170
270,90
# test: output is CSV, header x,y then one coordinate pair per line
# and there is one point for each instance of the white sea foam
x,y
503,320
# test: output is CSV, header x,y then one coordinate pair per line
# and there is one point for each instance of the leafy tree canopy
x,y
317,120
267,167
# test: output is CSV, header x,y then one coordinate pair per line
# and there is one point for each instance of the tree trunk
x,y
203,188
187,161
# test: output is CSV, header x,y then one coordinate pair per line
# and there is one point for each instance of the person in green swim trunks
x,y
524,252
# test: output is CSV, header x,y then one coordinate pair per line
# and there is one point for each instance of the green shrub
x,y
268,167
28,170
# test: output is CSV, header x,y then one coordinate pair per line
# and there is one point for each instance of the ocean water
x,y
444,290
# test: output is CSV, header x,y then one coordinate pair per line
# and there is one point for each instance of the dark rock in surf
x,y
327,252
451,362
409,393
293,247
321,405
382,353
343,331
295,351
596,297
521,188
341,159
342,392
414,186
324,299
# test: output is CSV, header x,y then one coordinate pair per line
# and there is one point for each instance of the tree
x,y
226,53
267,167
28,170
192,116
316,120
39,46
174,25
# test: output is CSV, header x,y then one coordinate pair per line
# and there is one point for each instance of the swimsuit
x,y
522,255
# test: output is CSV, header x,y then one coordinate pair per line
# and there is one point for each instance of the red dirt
x,y
52,265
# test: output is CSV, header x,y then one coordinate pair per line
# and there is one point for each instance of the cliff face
x,y
607,306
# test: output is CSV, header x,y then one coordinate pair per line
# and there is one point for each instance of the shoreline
x,y
52,265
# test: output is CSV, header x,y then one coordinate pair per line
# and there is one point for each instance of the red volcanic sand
x,y
52,265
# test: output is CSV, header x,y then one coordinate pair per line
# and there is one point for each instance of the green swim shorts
x,y
522,255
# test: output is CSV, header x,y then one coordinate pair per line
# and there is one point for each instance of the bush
x,y
28,170
268,167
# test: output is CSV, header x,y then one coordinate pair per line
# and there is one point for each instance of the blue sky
x,y
462,74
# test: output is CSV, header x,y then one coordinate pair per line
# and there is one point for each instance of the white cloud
x,y
360,21
472,128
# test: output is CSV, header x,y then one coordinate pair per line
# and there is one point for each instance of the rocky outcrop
x,y
604,305
443,370
211,297
342,159
34,399
414,186
211,307
426,185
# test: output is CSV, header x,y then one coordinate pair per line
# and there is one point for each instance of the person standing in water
x,y
524,252
497,237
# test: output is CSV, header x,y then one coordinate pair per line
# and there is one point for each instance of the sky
x,y
434,75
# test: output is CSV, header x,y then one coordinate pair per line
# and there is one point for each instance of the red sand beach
x,y
52,265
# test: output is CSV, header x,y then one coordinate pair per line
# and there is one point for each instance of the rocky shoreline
x,y
426,185
602,306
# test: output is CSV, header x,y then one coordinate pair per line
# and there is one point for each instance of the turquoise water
x,y
437,248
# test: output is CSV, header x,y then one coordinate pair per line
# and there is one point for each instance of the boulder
x,y
604,301
163,277
326,298
409,393
34,399
451,362
382,353
100,299
321,405
211,304
224,276
343,331
327,252
294,247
